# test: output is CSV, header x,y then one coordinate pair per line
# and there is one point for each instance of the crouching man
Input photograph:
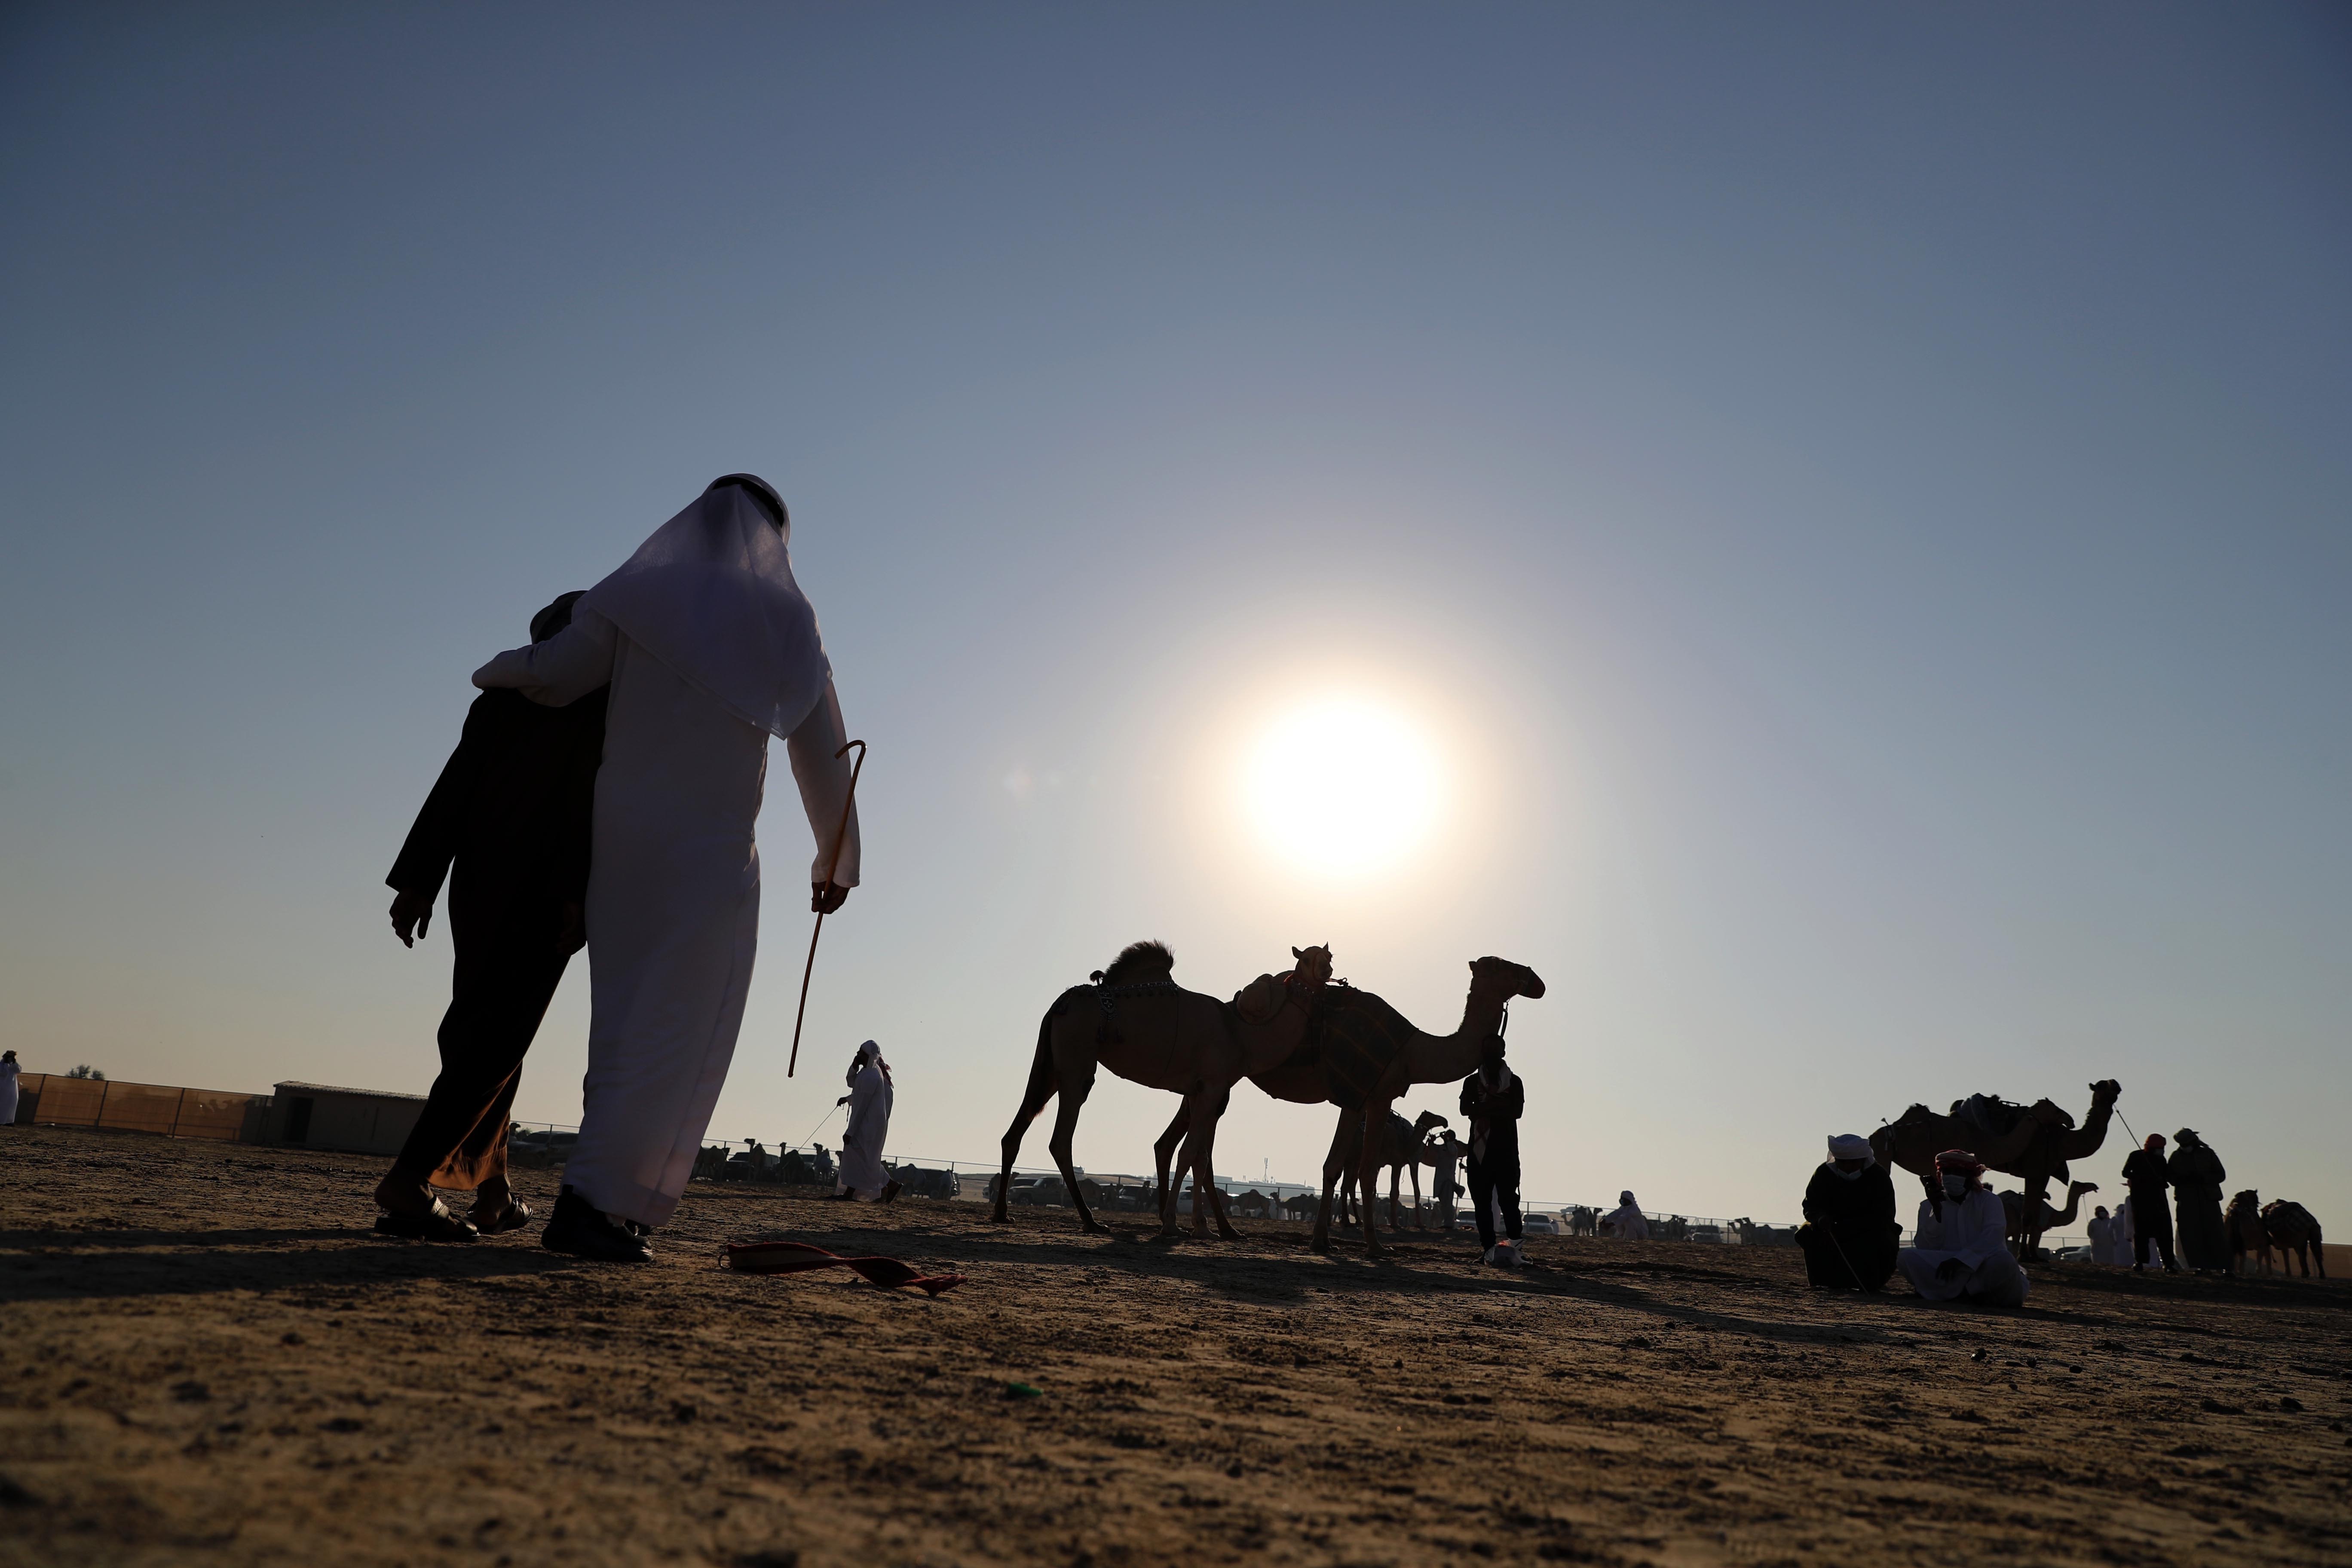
x,y
1850,1234
1961,1250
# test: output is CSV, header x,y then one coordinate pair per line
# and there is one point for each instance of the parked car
x,y
1541,1225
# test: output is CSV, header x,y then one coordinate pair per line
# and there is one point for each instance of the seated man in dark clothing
x,y
512,810
1849,1237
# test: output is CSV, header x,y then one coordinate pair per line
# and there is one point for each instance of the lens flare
x,y
1345,786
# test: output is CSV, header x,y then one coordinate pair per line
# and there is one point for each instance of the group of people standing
x,y
603,794
1960,1248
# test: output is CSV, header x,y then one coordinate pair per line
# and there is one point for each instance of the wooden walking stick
x,y
839,835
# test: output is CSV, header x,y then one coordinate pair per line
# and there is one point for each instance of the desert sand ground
x,y
213,1360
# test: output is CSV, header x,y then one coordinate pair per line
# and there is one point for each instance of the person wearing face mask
x,y
1961,1250
1492,1101
1850,1235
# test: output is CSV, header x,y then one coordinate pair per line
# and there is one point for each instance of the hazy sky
x,y
1856,498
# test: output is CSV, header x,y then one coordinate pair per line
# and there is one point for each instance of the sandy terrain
x,y
214,1361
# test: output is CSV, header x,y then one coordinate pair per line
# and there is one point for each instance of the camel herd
x,y
2256,1227
1301,1036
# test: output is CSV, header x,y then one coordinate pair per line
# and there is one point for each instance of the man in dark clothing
x,y
2197,1177
2144,1174
1492,1101
512,809
1849,1238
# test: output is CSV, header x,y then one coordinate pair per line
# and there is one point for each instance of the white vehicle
x,y
1541,1225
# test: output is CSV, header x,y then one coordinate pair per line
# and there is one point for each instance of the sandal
x,y
516,1217
437,1224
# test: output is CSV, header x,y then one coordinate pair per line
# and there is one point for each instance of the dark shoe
x,y
436,1224
515,1215
891,1192
582,1229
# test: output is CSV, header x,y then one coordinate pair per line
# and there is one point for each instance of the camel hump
x,y
1138,961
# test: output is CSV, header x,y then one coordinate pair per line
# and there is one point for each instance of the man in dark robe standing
x,y
1849,1238
2145,1175
2197,1177
1493,1098
512,810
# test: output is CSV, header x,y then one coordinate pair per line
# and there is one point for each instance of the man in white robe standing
x,y
871,1095
1961,1250
710,648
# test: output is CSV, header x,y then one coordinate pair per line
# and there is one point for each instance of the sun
x,y
1343,785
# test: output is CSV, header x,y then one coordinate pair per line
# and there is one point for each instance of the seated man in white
x,y
1961,1250
1625,1221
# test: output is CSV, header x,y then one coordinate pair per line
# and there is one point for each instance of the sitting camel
x,y
1137,1021
2295,1234
2012,1207
2035,1148
1364,1054
2249,1237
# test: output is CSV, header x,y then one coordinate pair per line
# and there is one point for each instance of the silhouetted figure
x,y
2197,1176
1493,1100
1849,1238
711,649
511,813
2151,1215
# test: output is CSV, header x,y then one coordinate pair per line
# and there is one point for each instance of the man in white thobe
x,y
870,1098
2106,1246
1625,1221
710,648
1960,1252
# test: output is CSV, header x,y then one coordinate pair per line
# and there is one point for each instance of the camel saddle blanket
x,y
1987,1113
1355,1035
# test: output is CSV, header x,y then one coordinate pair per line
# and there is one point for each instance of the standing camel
x,y
1364,1054
2035,1149
1400,1146
1137,1021
2295,1234
2249,1237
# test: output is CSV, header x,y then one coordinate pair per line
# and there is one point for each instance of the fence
x,y
174,1113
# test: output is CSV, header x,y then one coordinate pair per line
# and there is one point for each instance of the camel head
x,y
1425,1120
1501,977
2105,1093
1314,965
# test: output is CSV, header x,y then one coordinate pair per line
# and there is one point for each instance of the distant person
x,y
9,1072
1960,1252
2109,1243
870,1097
2151,1214
1493,1100
2197,1176
508,825
1850,1235
1446,1154
710,648
1625,1221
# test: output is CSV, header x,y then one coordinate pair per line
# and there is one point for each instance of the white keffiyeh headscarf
x,y
711,595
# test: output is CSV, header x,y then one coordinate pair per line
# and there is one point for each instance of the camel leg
x,y
1207,1108
1419,1214
1066,1125
1042,1085
1376,1117
1162,1153
1332,1162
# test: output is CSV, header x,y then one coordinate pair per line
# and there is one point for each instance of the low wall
x,y
169,1109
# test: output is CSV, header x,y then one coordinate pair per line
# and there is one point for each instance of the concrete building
x,y
349,1121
